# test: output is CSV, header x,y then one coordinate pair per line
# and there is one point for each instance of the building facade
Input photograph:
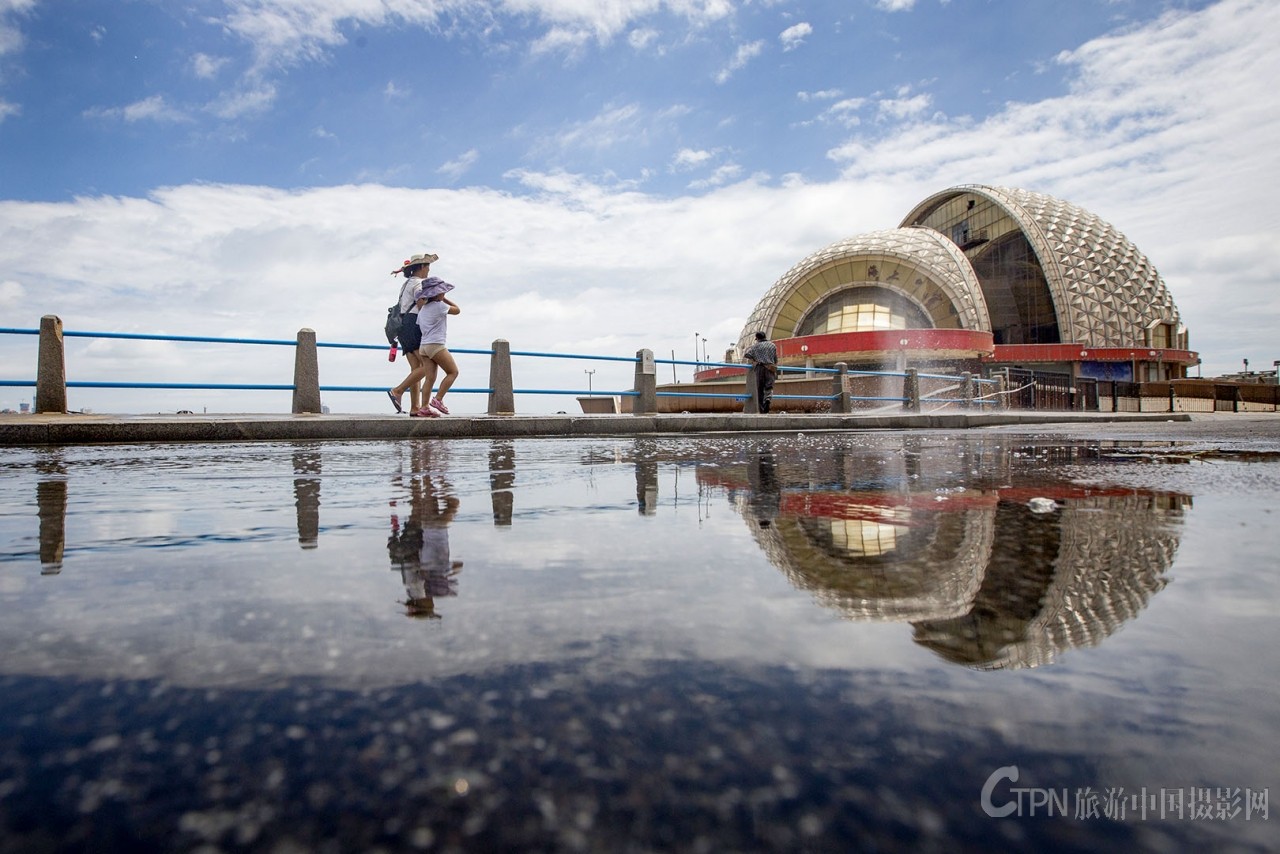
x,y
977,278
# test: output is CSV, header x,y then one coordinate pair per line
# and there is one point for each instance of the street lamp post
x,y
588,373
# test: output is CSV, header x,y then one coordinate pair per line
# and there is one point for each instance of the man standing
x,y
764,355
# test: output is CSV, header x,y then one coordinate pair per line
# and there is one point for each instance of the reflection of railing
x,y
51,383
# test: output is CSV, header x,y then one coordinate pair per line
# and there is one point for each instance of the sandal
x,y
425,412
435,401
395,400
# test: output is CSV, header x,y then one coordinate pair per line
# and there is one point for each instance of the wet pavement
x,y
824,641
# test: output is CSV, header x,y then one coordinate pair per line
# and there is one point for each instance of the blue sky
x,y
596,176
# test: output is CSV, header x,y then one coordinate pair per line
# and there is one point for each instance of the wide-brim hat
x,y
433,289
424,258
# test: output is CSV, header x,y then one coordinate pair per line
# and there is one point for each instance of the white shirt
x,y
433,321
407,293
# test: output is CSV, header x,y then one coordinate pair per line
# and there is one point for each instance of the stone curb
x,y
74,429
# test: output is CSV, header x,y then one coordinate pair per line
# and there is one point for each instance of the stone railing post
x,y
306,374
966,390
751,406
842,402
502,397
911,390
51,367
646,383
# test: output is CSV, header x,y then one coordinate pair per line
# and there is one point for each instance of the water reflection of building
x,y
984,581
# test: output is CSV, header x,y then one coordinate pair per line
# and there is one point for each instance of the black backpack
x,y
394,318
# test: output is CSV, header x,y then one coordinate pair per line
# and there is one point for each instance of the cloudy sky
x,y
598,176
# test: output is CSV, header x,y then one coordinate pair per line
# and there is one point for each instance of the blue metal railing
x,y
737,396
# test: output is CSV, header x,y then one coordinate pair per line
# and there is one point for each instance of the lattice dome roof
x,y
921,252
1106,293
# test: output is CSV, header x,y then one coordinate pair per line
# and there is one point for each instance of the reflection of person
x,y
420,549
415,271
764,355
766,495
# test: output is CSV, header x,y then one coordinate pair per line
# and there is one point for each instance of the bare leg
x,y
415,393
428,380
445,360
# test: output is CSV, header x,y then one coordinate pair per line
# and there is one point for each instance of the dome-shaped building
x,y
977,278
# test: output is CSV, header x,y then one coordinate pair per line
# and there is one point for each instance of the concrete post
x,y
966,390
646,383
842,402
502,397
51,367
306,374
751,406
911,390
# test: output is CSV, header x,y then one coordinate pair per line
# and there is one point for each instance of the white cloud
x,y
844,112
688,158
11,293
154,109
284,32
8,108
744,54
207,67
895,5
902,108
244,102
605,130
456,168
641,37
792,37
820,95
722,175
11,39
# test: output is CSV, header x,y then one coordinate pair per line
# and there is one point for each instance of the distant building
x,y
977,278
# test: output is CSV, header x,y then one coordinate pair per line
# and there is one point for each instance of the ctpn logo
x,y
1019,801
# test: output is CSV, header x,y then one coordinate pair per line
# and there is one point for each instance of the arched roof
x,y
919,255
1106,293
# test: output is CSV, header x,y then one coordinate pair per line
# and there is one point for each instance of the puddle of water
x,y
821,641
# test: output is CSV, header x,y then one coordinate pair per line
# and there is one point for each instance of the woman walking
x,y
414,270
433,310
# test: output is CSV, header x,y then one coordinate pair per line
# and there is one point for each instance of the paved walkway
x,y
73,429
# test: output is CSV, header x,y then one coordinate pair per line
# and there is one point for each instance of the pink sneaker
x,y
435,401
426,412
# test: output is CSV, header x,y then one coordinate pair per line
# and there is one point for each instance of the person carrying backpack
x,y
409,335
